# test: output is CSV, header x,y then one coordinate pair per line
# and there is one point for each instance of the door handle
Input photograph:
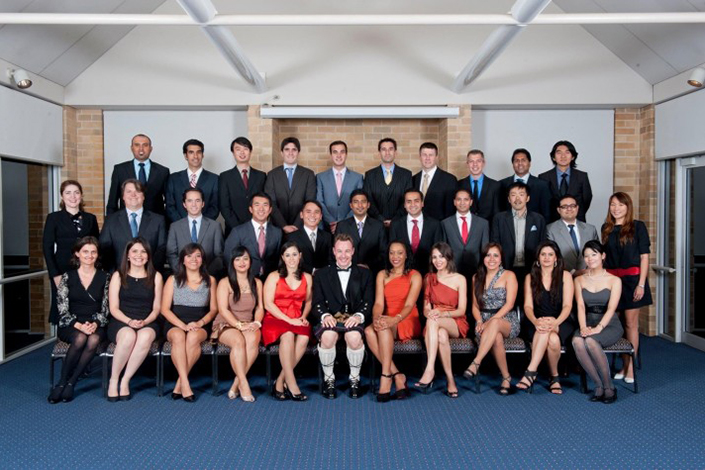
x,y
663,269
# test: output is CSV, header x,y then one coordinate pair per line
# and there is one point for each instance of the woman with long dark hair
x,y
188,305
548,300
239,320
494,294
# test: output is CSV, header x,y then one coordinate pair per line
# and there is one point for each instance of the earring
x,y
555,264
537,263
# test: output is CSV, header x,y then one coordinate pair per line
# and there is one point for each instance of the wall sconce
x,y
697,77
20,78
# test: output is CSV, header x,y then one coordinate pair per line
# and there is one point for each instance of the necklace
x,y
590,275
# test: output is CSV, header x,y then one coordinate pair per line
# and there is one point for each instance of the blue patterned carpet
x,y
661,427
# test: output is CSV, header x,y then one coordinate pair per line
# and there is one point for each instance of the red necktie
x,y
245,180
415,236
464,230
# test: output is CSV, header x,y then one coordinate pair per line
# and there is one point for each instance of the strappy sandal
x,y
554,385
504,391
530,376
401,393
468,374
385,397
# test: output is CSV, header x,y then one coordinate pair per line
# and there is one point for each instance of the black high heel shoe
x,y
474,376
608,400
385,397
504,391
530,376
281,396
67,393
423,388
55,395
401,393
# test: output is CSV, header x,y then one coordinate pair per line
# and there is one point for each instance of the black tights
x,y
593,359
78,356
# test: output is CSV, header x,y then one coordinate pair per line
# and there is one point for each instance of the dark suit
x,y
210,237
371,249
540,201
287,203
154,194
430,234
503,233
235,199
318,258
578,187
386,202
328,296
466,255
487,204
244,235
116,234
178,183
438,200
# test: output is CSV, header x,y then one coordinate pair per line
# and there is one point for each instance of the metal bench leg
x,y
105,376
214,363
52,360
269,370
636,384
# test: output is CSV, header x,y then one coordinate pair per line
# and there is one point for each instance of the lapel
x,y
565,235
456,231
319,240
184,179
353,288
573,184
204,227
125,223
295,180
347,183
365,228
509,222
144,223
268,237
553,180
153,174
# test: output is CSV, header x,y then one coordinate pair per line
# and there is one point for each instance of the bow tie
x,y
345,270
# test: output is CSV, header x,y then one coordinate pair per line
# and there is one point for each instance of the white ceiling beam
x,y
359,112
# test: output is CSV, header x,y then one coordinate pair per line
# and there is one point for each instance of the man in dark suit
x,y
196,228
438,186
417,230
259,236
385,184
237,185
540,201
289,185
315,244
134,220
343,296
151,174
466,234
565,179
368,234
194,176
333,186
571,234
484,190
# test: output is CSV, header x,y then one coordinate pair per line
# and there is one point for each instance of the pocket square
x,y
533,228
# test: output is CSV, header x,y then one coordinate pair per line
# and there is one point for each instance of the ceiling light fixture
x,y
697,77
20,78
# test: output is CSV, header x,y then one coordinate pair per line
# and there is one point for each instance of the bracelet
x,y
642,286
259,324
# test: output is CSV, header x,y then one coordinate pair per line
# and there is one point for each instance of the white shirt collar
x,y
309,231
357,221
256,225
524,178
458,216
409,219
430,173
197,219
197,173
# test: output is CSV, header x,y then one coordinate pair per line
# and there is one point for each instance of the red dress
x,y
395,292
290,302
444,298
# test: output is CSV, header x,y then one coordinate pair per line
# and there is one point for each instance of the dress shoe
x,y
55,395
422,387
190,399
596,397
113,399
127,397
618,376
611,399
281,396
67,393
248,398
354,391
299,397
329,389
176,396
629,380
384,397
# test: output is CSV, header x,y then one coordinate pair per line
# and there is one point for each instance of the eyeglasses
x,y
568,206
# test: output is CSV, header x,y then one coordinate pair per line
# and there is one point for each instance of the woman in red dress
x,y
394,316
287,301
445,301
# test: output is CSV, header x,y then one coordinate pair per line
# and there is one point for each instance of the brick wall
x,y
39,294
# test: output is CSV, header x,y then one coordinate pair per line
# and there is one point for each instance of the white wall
x,y
499,132
680,126
168,131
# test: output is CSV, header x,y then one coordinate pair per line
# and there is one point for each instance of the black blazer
x,y
318,258
178,183
156,186
371,249
328,296
540,197
466,255
578,187
488,204
235,199
116,233
438,200
386,202
244,235
503,233
60,234
431,233
287,203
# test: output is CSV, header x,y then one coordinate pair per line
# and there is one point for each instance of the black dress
x,y
628,256
61,230
544,307
136,301
79,304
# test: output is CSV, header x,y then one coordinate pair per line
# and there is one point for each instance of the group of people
x,y
376,259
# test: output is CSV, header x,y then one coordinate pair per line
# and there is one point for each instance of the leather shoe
x,y
190,399
611,399
67,393
127,397
354,391
176,396
55,395
329,389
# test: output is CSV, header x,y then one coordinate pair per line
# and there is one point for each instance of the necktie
x,y
359,229
415,236
133,224
388,177
260,242
475,189
193,180
344,270
142,175
564,184
245,180
290,175
464,230
571,227
520,180
339,183
313,239
194,234
424,186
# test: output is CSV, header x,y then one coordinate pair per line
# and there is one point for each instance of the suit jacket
x,y
438,200
178,183
328,295
503,233
116,233
60,235
156,186
540,201
430,234
466,255
336,208
559,233
371,249
245,235
487,205
578,187
318,257
386,202
235,199
287,203
210,237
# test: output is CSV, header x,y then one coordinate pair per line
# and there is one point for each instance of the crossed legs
x,y
291,349
437,339
381,343
244,348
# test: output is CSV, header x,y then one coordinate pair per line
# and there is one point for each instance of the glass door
x,y
694,253
666,292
